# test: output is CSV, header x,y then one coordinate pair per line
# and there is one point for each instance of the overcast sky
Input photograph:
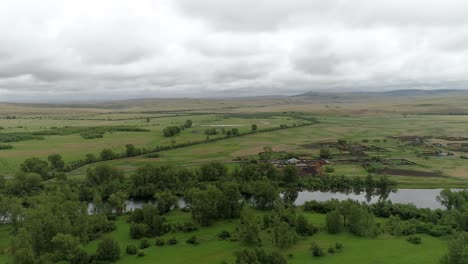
x,y
73,50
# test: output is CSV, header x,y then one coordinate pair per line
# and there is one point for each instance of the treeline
x,y
170,131
403,219
85,132
91,158
382,186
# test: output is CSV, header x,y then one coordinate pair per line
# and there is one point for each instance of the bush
x,y
325,153
338,246
223,235
144,243
160,242
153,155
6,146
193,241
189,227
414,240
316,250
141,254
138,231
331,250
329,169
108,250
131,249
172,241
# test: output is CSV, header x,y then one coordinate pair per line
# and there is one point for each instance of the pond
x,y
422,198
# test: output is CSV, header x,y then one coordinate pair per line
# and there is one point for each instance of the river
x,y
422,198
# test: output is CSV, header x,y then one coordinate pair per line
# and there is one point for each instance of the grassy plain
x,y
377,122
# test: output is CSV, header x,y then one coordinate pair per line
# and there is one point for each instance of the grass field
x,y
383,249
342,121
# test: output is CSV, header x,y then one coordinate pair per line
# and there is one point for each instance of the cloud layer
x,y
76,50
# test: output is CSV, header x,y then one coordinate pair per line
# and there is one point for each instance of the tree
x,y
334,222
249,228
25,184
264,194
325,153
451,199
22,249
56,162
188,123
235,131
204,204
67,248
254,127
290,174
211,131
171,131
36,165
457,250
258,256
361,222
138,230
267,152
118,200
107,154
90,158
212,171
131,150
103,174
166,201
283,235
304,228
229,205
108,250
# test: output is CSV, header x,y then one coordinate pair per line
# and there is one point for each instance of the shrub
x,y
144,243
414,240
172,241
189,227
223,235
193,241
329,169
131,249
338,246
316,250
153,155
6,146
141,254
160,242
108,250
331,250
138,231
325,153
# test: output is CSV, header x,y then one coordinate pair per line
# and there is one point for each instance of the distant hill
x,y
358,96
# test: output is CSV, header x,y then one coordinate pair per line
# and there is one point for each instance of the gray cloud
x,y
122,49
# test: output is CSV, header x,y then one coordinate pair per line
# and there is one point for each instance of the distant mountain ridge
x,y
402,92
359,95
